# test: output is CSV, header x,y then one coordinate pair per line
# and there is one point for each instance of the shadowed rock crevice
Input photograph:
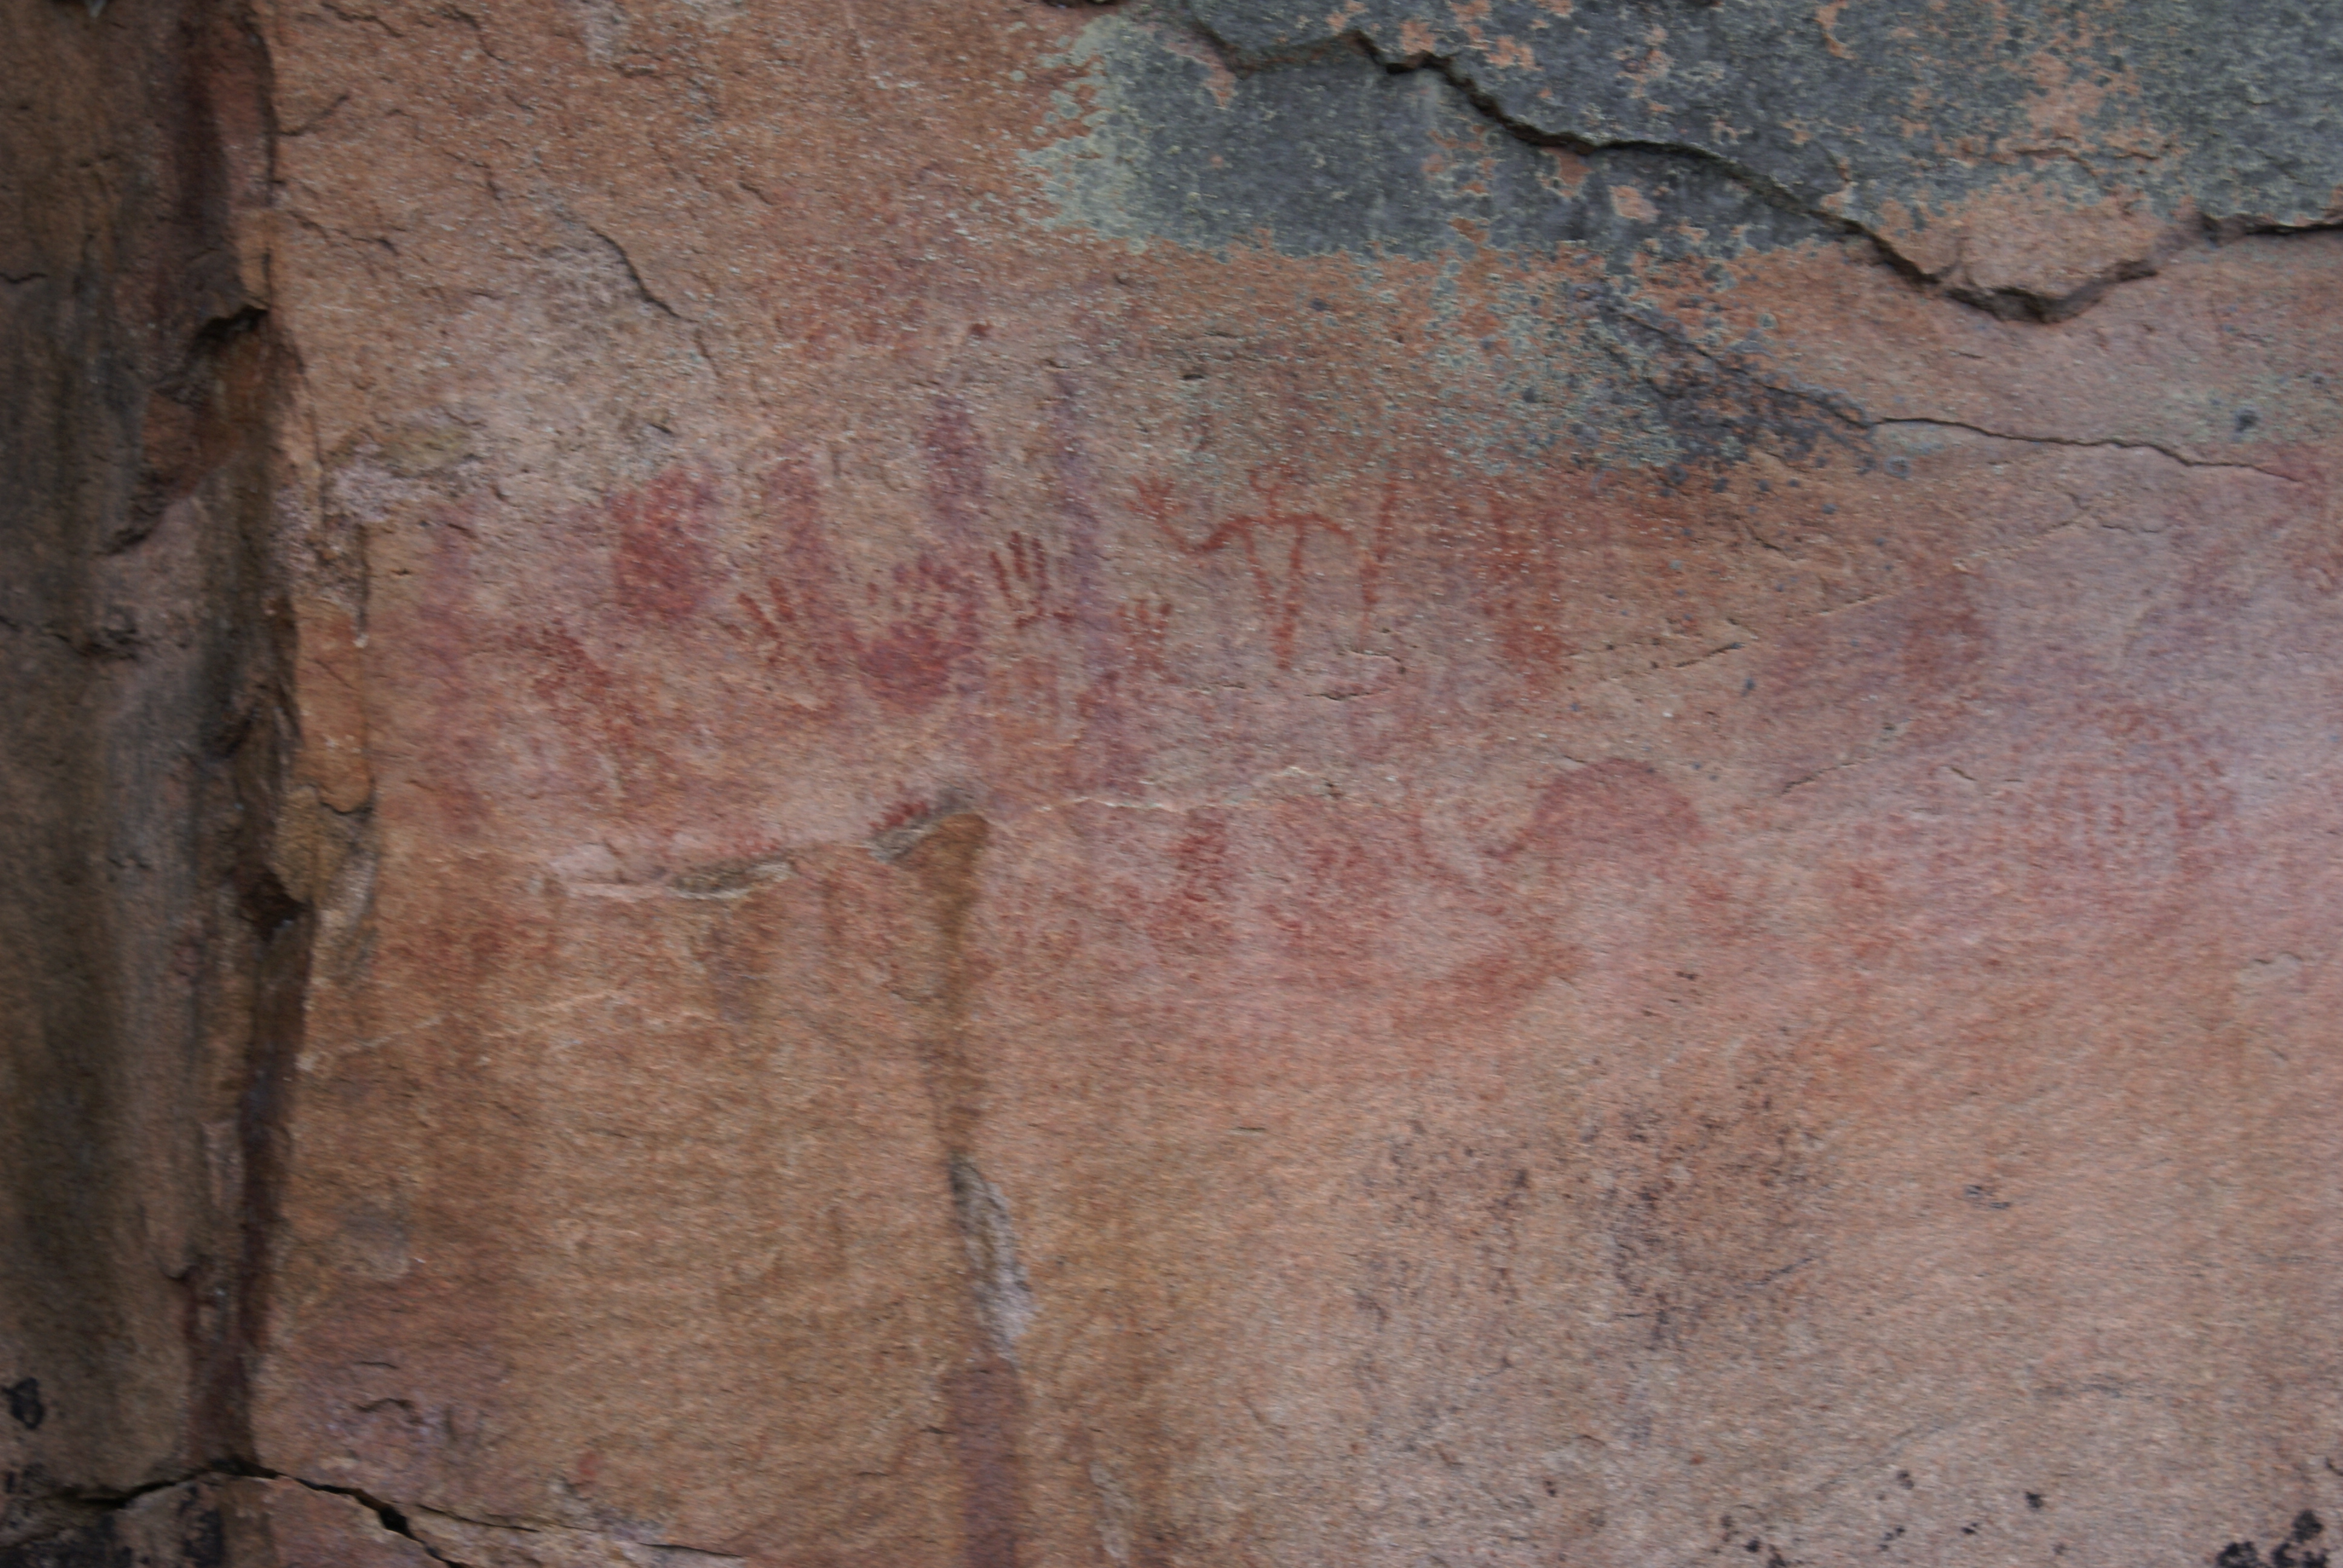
x,y
157,960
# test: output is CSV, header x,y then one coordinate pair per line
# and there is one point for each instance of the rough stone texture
x,y
143,942
882,783
248,1521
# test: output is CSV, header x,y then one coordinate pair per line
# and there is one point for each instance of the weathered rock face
x,y
142,939
879,783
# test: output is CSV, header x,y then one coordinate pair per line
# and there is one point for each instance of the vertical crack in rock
x,y
288,931
262,759
984,1394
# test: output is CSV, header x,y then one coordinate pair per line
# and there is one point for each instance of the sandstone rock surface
x,y
863,783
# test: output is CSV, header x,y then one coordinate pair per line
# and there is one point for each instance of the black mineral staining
x,y
25,1405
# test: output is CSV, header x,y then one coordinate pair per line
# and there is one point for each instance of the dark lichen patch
x,y
1897,119
1748,1542
2299,1549
1330,151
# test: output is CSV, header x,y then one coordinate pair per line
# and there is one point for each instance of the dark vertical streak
x,y
279,1011
984,1397
987,1403
944,863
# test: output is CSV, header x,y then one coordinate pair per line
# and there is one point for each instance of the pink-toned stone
x,y
939,889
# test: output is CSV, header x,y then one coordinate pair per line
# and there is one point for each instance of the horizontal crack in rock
x,y
2107,444
396,1518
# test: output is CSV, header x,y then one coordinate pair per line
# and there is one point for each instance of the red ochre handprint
x,y
1281,601
929,631
664,555
916,625
1022,575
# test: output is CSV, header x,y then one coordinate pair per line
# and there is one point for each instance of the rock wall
x,y
864,783
146,950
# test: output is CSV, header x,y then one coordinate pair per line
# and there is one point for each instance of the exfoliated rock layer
x,y
999,784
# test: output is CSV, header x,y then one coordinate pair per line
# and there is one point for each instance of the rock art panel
x,y
1194,783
